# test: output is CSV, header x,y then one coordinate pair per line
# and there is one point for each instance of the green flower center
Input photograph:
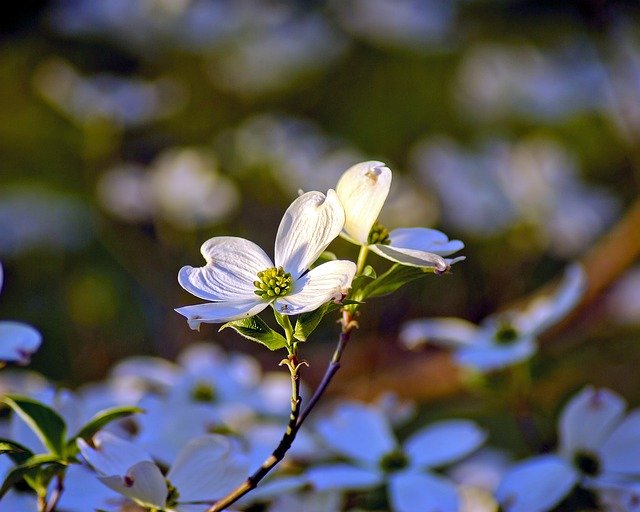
x,y
273,282
587,462
203,392
394,461
506,334
172,495
378,235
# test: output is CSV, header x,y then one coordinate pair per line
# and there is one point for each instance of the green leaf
x,y
29,469
44,421
307,322
255,329
15,451
97,422
363,279
391,280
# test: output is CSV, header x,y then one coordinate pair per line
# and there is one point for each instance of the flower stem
x,y
278,454
362,259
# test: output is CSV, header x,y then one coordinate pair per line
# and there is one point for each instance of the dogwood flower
x,y
502,339
599,447
362,190
17,340
206,469
364,436
240,280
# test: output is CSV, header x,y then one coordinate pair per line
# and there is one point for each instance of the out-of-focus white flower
x,y
413,24
622,302
17,339
534,183
181,186
481,470
122,101
295,151
502,339
599,447
496,81
206,469
35,218
363,189
270,56
15,501
363,435
83,491
240,279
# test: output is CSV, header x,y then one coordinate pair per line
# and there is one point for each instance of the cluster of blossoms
x,y
183,437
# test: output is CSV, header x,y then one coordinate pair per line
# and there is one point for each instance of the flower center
x,y
394,461
273,282
505,334
378,235
203,392
587,462
173,495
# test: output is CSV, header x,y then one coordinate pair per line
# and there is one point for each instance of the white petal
x,y
545,311
308,226
446,331
220,312
362,190
326,282
18,341
342,476
110,454
443,442
207,468
410,257
620,453
424,239
587,419
487,358
143,482
536,485
358,431
410,491
232,266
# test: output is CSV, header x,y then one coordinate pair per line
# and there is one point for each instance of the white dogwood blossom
x,y
363,189
240,280
17,339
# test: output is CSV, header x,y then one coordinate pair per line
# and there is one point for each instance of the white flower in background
x,y
240,279
362,190
206,469
182,186
363,435
599,447
17,340
502,339
412,24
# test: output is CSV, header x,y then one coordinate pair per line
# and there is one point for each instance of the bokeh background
x,y
133,130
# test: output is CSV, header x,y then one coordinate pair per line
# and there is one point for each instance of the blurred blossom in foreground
x,y
497,81
293,150
267,57
533,182
181,186
32,219
122,101
502,339
17,340
413,24
599,447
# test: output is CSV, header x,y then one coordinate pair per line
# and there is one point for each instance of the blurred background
x,y
133,130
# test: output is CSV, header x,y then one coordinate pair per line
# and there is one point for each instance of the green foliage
x,y
397,276
37,470
308,322
255,329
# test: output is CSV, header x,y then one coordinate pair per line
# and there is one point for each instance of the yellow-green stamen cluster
x,y
506,334
378,235
173,495
394,461
203,392
273,282
587,462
